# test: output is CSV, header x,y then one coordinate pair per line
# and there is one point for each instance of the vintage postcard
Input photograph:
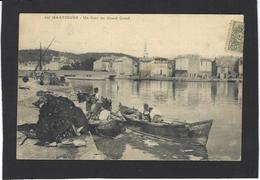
x,y
130,87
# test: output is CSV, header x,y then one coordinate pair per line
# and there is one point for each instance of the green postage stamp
x,y
235,39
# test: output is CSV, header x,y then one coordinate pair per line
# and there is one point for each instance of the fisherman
x,y
42,78
146,113
96,94
151,114
155,115
104,115
96,101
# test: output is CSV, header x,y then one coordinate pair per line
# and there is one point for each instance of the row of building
x,y
55,63
193,66
119,65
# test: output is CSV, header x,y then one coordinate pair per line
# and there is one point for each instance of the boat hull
x,y
111,128
196,132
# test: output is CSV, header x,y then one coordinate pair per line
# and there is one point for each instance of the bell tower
x,y
145,51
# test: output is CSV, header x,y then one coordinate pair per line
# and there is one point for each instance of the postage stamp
x,y
235,38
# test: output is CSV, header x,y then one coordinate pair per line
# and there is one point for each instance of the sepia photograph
x,y
130,87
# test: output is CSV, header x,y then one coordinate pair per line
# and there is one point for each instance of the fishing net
x,y
58,116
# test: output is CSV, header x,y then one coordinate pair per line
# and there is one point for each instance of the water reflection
x,y
163,91
186,101
133,146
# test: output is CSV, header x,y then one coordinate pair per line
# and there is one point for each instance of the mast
x,y
145,51
42,54
40,62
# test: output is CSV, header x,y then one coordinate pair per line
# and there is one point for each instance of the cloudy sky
x,y
165,35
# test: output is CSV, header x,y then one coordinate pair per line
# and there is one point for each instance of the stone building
x,y
225,67
125,66
192,66
105,63
155,67
53,65
29,65
181,67
159,67
205,70
145,68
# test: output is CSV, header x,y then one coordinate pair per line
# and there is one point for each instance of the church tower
x,y
145,51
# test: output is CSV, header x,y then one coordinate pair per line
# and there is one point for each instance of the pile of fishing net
x,y
59,118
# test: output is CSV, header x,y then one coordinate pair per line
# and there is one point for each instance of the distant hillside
x,y
81,61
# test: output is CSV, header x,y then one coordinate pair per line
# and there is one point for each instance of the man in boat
x,y
155,115
146,113
151,114
104,115
96,103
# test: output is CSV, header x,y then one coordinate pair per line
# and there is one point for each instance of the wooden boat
x,y
110,128
196,132
86,78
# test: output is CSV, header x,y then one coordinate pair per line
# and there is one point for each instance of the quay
x,y
102,75
26,113
72,73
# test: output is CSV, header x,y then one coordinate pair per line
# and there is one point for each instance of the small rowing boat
x,y
110,128
197,132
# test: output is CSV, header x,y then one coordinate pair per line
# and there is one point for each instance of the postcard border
x,y
247,167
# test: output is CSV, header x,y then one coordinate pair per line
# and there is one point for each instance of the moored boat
x,y
197,132
109,128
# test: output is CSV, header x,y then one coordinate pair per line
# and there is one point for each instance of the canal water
x,y
184,101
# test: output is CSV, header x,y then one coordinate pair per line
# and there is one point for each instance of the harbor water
x,y
183,101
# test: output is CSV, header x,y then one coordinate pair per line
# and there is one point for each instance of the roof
x,y
206,59
107,58
187,56
123,58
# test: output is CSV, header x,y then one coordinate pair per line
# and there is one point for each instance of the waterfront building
x,y
53,65
181,67
187,66
105,63
160,67
57,62
145,67
155,67
225,67
205,70
28,65
125,66
192,66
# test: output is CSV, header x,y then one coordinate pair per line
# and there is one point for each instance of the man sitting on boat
x,y
104,115
151,114
155,115
96,101
146,113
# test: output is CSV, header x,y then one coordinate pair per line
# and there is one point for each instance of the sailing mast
x,y
42,54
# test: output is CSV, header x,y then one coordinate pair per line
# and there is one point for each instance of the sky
x,y
165,35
